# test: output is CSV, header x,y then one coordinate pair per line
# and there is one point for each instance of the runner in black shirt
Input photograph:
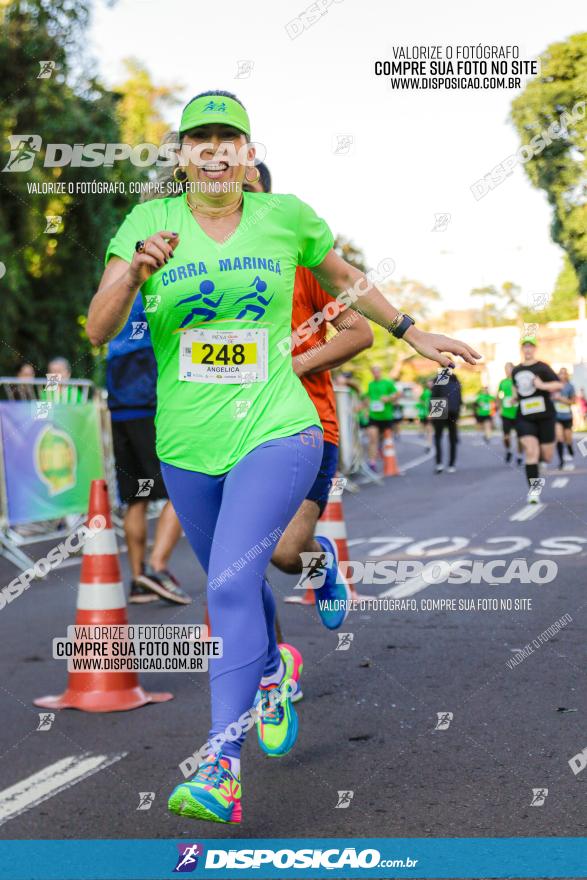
x,y
534,381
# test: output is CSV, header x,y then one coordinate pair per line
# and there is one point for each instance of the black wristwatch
x,y
400,328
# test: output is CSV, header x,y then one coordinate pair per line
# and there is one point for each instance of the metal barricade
x,y
351,454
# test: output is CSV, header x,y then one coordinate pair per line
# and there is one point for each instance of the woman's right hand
x,y
157,252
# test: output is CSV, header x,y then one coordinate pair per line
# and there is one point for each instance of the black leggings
x,y
453,439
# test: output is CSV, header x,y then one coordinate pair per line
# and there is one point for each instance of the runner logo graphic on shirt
x,y
253,303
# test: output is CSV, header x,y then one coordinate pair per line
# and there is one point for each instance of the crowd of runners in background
x,y
386,402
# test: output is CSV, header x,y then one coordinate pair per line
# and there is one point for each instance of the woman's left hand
x,y
434,346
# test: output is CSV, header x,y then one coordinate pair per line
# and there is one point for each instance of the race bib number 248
x,y
228,356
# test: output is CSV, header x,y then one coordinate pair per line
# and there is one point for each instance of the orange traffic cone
x,y
101,601
390,468
332,525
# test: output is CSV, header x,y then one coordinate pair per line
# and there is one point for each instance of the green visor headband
x,y
529,340
217,109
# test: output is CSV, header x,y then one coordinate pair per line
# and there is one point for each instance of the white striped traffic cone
x,y
101,601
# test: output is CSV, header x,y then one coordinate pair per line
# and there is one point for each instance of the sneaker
x,y
140,595
294,666
568,466
508,457
439,469
277,724
519,461
164,585
452,469
533,498
214,793
334,589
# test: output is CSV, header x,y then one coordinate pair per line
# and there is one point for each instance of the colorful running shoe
x,y
333,597
214,793
277,726
294,666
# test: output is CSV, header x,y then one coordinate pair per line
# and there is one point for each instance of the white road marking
x,y
415,585
529,511
50,781
414,462
559,483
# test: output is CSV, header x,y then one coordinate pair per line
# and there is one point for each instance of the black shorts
x,y
136,461
481,419
382,424
566,423
508,425
542,429
323,482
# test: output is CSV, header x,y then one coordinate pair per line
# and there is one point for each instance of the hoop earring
x,y
257,178
179,175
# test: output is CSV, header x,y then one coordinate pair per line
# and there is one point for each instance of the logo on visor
x,y
219,108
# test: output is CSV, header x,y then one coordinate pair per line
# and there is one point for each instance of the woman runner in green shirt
x,y
238,438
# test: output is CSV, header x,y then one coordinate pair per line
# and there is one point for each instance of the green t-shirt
x,y
379,410
505,393
424,403
220,321
483,404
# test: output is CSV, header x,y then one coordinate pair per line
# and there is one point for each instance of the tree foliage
x,y
50,277
550,117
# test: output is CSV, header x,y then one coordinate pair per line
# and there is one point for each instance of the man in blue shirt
x,y
131,380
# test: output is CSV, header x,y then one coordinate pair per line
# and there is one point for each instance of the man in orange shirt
x,y
312,361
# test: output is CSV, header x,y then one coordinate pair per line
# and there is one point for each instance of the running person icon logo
x,y
344,800
438,408
345,641
444,720
539,795
209,301
46,720
207,311
146,799
46,69
23,149
188,855
258,303
314,570
215,107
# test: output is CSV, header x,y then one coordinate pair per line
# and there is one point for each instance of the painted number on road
x,y
560,545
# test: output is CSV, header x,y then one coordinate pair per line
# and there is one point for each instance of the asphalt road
x,y
369,715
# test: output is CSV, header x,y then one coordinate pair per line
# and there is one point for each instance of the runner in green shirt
x,y
238,437
508,411
381,394
483,404
424,412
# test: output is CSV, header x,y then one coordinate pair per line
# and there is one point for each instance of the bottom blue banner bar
x,y
469,858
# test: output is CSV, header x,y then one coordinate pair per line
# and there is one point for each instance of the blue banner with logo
x,y
52,452
303,858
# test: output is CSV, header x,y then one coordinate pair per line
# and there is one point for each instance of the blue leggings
x,y
233,523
